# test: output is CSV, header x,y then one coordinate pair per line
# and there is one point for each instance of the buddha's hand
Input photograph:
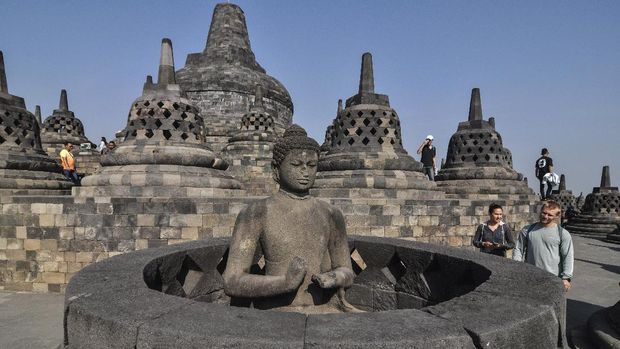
x,y
325,280
296,273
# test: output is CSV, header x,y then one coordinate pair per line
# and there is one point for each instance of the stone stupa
x,y
600,214
563,196
249,151
62,126
477,163
366,148
220,81
163,151
24,167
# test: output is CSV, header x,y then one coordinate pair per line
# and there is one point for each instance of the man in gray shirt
x,y
547,245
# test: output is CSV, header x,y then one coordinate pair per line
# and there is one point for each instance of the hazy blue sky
x,y
549,71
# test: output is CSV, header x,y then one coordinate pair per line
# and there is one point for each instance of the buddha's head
x,y
295,158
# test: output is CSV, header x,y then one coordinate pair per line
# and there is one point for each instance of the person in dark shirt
x,y
428,152
494,236
544,165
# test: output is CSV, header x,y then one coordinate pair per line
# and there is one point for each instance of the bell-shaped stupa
x,y
477,163
366,148
24,167
250,150
60,127
600,214
163,150
220,81
564,197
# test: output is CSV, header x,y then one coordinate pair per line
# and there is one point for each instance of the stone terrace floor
x,y
30,320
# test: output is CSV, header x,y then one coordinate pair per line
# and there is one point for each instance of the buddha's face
x,y
297,171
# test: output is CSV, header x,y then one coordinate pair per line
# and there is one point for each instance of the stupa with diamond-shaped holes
x,y
163,151
477,163
600,214
365,149
24,167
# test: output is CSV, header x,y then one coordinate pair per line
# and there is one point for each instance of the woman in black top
x,y
494,236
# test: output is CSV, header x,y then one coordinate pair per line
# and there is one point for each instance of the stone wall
x,y
44,240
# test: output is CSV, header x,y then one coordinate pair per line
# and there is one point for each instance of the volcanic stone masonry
x,y
477,164
164,185
250,150
563,196
221,80
62,126
381,190
600,214
163,152
25,169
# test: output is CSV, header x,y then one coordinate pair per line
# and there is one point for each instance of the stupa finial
x,y
4,87
367,78
63,105
605,179
37,113
339,107
562,183
166,64
475,106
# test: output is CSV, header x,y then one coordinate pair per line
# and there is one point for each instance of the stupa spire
x,y
605,179
562,182
339,107
63,105
37,113
166,64
475,106
367,78
4,87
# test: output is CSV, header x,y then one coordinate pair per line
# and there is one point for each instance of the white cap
x,y
429,137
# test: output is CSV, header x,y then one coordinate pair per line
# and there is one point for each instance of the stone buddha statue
x,y
303,239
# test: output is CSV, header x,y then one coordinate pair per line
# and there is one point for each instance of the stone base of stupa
x,y
31,174
158,181
484,183
595,226
352,180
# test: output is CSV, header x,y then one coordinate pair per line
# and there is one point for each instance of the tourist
x,y
68,163
102,145
307,257
494,236
544,165
428,152
109,147
547,245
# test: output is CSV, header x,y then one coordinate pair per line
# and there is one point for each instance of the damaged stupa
x,y
220,81
163,152
25,169
477,164
250,150
600,214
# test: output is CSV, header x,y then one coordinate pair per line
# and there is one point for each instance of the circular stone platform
x,y
416,296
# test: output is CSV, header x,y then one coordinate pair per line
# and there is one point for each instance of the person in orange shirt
x,y
68,164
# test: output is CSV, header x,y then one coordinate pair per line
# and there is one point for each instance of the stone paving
x,y
30,320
